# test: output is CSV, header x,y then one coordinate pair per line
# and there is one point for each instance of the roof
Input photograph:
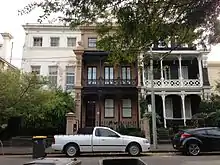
x,y
9,64
4,35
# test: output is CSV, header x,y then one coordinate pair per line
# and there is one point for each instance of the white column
x,y
200,70
184,109
164,110
180,70
161,71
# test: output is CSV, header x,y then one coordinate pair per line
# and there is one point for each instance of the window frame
x,y
93,43
70,74
53,75
108,79
68,39
51,38
92,81
35,66
126,108
41,41
126,80
112,107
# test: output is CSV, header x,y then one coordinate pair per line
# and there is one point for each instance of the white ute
x,y
99,139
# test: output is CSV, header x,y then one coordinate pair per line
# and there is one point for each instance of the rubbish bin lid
x,y
39,137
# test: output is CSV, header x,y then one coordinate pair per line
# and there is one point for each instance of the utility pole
x,y
153,109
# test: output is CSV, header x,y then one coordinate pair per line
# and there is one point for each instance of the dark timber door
x,y
90,113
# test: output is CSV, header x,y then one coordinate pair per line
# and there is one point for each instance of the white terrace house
x,y
180,82
48,51
6,47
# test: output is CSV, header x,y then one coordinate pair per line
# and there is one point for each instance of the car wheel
x,y
71,150
134,150
193,149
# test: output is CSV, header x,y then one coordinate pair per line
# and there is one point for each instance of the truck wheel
x,y
71,150
193,149
134,150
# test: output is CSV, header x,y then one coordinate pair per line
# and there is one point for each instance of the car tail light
x,y
185,135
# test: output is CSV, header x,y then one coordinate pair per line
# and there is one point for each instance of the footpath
x,y
162,148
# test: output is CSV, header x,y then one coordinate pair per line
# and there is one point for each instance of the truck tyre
x,y
72,150
134,149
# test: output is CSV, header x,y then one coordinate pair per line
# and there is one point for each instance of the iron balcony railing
x,y
110,82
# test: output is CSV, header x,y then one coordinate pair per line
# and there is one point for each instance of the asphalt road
x,y
151,159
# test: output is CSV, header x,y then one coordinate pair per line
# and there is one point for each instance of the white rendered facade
x,y
48,50
6,46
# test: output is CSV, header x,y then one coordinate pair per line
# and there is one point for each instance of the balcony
x,y
185,83
109,82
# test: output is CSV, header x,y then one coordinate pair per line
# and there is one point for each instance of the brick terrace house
x,y
105,95
108,95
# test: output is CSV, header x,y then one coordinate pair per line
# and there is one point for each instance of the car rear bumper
x,y
57,147
177,145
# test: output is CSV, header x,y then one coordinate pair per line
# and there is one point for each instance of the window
x,y
91,75
184,72
214,132
109,75
101,132
70,77
38,41
109,108
169,107
126,108
71,42
126,75
92,42
166,73
35,70
54,41
200,132
53,71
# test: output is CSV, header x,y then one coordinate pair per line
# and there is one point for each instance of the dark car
x,y
194,141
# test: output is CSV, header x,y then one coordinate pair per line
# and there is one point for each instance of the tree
x,y
14,89
23,94
209,110
139,23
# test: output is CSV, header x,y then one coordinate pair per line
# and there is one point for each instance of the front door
x,y
90,113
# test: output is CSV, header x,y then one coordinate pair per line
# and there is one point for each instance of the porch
x,y
175,109
111,108
176,71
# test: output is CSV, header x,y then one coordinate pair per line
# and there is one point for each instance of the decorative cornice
x,y
59,27
7,35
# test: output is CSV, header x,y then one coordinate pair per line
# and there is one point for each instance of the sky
x,y
12,23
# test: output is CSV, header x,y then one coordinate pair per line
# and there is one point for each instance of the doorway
x,y
90,113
